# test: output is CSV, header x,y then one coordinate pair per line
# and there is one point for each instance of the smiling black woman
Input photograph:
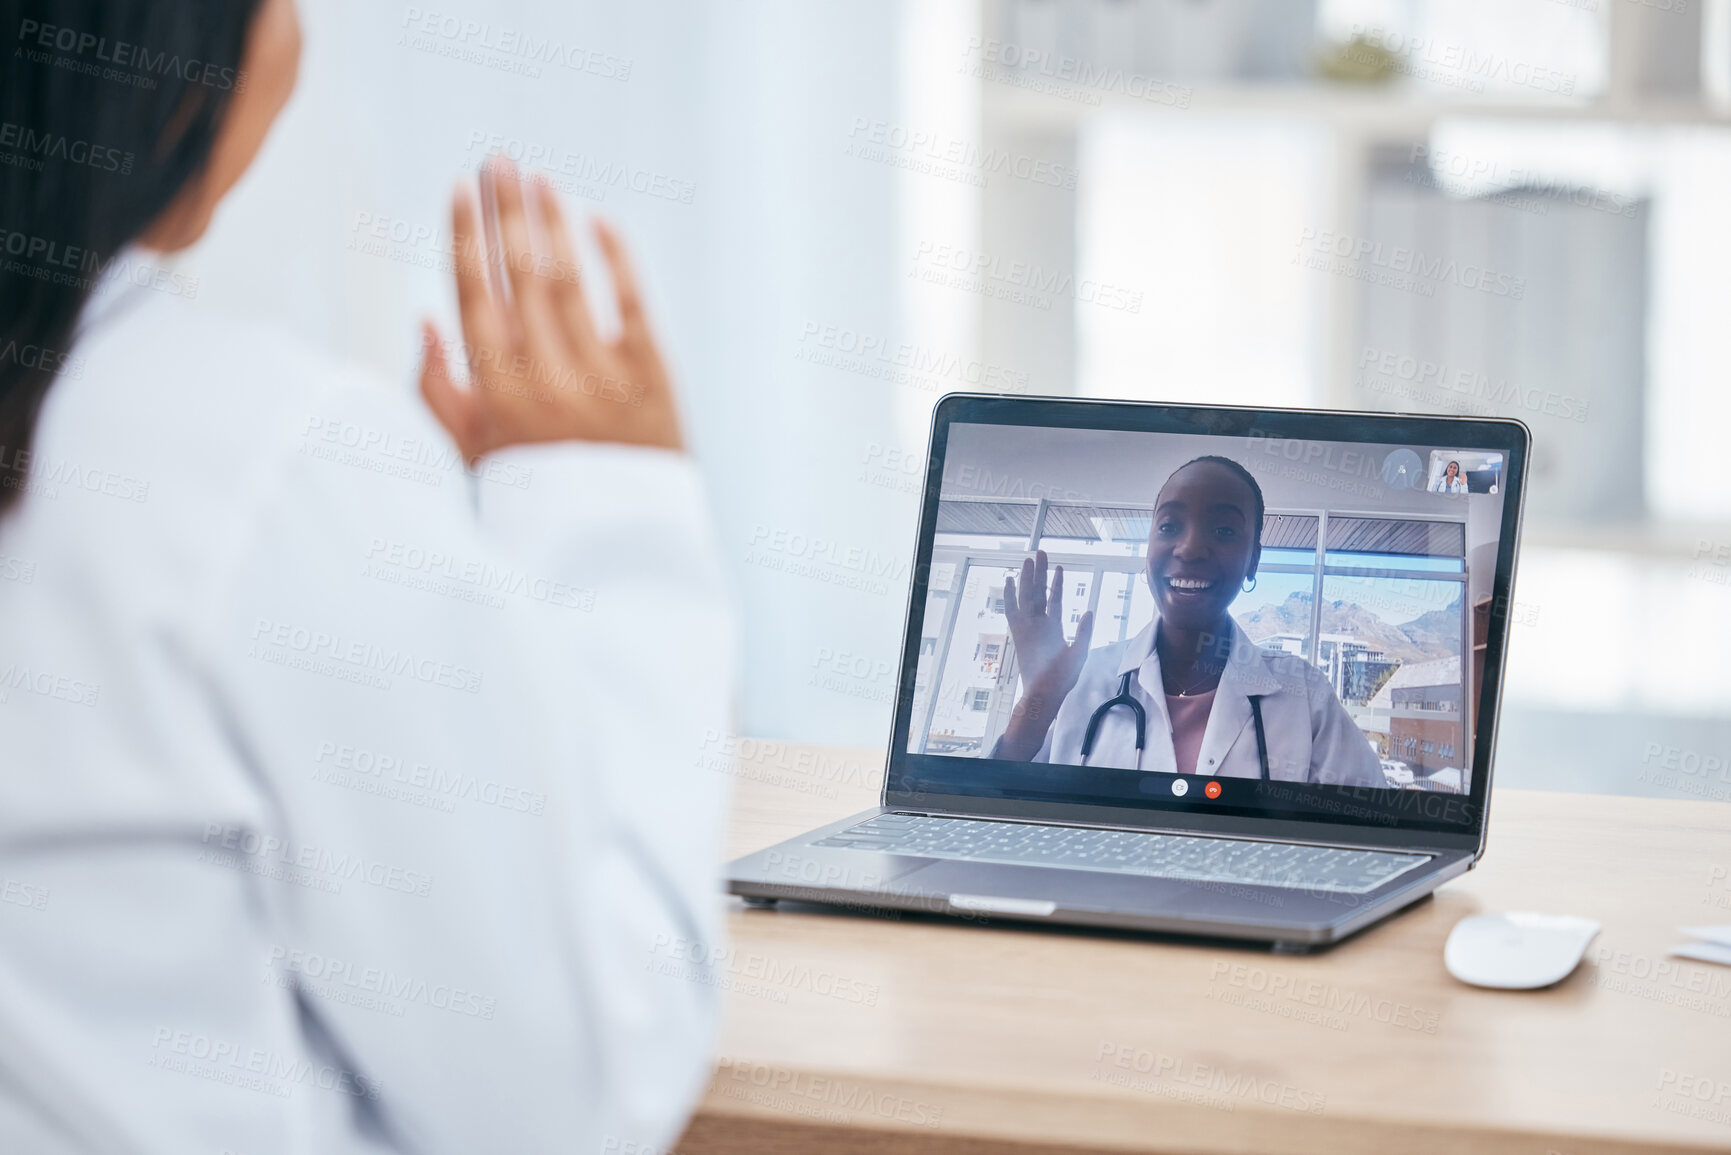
x,y
1191,693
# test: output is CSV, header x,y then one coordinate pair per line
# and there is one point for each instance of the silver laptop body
x,y
1387,551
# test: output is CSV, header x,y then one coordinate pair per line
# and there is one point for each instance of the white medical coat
x,y
346,800
1311,738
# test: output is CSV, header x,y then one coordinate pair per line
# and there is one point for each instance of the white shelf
x,y
1657,539
1393,109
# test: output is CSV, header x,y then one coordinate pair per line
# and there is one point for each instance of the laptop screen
x,y
1209,609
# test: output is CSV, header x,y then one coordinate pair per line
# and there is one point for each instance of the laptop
x,y
1197,670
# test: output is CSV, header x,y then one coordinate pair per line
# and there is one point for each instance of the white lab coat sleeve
x,y
481,706
1340,754
657,658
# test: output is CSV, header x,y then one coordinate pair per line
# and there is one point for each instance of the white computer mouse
x,y
1517,951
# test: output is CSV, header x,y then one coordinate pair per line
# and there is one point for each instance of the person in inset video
x,y
1191,693
1450,480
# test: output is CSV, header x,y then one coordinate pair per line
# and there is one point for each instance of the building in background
x,y
1421,705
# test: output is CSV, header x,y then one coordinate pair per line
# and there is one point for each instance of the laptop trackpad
x,y
1069,889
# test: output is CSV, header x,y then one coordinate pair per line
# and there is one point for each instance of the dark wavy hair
x,y
108,109
1235,467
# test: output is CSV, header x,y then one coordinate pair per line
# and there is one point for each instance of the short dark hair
x,y
1243,473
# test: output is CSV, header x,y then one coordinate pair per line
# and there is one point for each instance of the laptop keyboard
x,y
1220,860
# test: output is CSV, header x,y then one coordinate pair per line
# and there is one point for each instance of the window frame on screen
x,y
1319,569
1357,816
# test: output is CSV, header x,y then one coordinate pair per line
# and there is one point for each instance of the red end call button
x,y
1212,790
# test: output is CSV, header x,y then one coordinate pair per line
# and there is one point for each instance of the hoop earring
x,y
1250,584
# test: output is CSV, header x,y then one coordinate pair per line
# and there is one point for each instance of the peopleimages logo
x,y
21,678
125,60
1022,282
35,145
1118,1062
48,253
728,967
318,651
320,867
1456,64
236,1064
48,260
584,168
47,476
402,562
826,560
1385,371
1464,173
1399,266
23,894
334,976
889,142
902,362
1066,77
41,358
379,772
516,50
819,1097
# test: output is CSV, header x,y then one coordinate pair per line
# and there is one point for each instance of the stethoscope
x,y
1124,698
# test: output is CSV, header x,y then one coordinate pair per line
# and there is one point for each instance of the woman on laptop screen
x,y
1191,693
1450,480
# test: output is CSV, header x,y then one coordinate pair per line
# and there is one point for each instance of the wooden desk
x,y
857,1033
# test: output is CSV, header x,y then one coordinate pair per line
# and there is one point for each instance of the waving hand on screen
x,y
1049,666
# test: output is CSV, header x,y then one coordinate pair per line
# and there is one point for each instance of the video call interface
x,y
1105,600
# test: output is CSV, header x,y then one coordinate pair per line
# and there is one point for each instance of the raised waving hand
x,y
539,370
1049,666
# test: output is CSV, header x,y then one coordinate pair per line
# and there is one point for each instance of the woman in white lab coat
x,y
1191,693
342,804
1449,480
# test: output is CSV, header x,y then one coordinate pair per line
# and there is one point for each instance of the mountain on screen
x,y
1433,634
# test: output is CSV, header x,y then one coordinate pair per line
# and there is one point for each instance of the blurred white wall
x,y
751,223
799,180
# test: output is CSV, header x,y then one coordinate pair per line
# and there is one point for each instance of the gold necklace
x,y
1187,691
